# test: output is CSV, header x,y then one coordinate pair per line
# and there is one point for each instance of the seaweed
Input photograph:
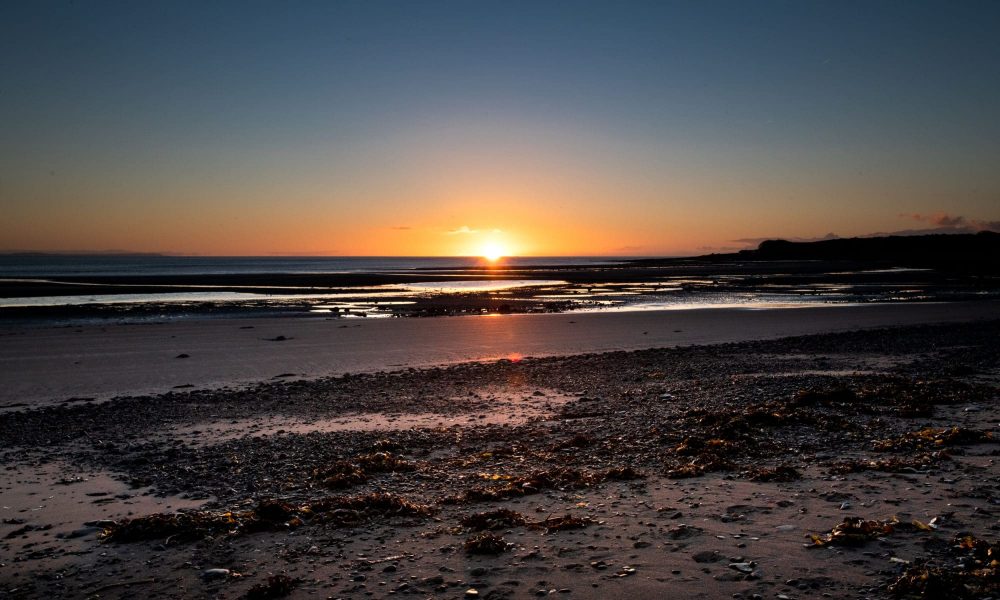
x,y
781,473
853,531
276,586
580,440
622,474
933,438
486,543
340,475
922,462
696,469
357,509
562,478
383,462
553,524
348,473
970,570
500,518
268,515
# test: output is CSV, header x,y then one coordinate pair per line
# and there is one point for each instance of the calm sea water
x,y
55,265
666,291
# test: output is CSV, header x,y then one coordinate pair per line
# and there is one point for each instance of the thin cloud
x,y
956,223
401,228
939,219
463,230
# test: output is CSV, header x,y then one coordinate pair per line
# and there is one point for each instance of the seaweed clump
x,y
351,510
930,438
922,462
486,543
563,478
974,572
340,475
781,473
854,531
348,473
501,518
268,515
553,524
276,586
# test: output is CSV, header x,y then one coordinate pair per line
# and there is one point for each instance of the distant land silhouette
x,y
979,252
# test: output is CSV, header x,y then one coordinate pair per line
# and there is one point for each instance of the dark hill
x,y
963,252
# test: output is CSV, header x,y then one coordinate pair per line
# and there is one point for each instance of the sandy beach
x,y
45,364
609,465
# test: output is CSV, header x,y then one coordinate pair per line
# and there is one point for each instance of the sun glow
x,y
493,251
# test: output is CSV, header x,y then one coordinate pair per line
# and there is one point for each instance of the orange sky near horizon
x,y
531,215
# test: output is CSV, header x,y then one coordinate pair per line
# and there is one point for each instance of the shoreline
x,y
472,289
46,365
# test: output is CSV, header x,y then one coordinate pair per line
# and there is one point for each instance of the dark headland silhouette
x,y
969,253
979,252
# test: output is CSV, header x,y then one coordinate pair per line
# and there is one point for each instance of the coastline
x,y
53,364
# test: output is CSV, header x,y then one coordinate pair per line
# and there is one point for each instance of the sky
x,y
534,128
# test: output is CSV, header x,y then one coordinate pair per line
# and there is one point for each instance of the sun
x,y
492,251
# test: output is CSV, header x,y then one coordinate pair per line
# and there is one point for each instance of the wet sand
x,y
693,472
42,365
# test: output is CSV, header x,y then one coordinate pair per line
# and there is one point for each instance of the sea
x,y
680,287
48,265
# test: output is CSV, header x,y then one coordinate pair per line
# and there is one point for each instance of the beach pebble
x,y
100,523
81,532
215,573
742,567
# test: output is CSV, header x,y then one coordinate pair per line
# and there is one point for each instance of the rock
x,y
100,523
472,593
705,556
216,574
81,532
742,567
